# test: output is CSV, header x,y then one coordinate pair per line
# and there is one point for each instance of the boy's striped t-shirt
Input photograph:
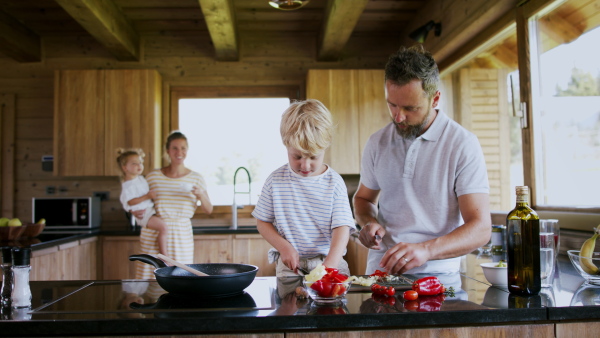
x,y
305,210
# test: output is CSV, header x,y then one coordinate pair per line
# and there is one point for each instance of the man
x,y
423,198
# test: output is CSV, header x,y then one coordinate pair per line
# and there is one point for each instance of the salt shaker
x,y
21,294
7,276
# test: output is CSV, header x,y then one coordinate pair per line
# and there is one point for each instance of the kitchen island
x,y
269,307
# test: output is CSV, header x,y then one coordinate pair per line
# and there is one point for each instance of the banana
x,y
587,250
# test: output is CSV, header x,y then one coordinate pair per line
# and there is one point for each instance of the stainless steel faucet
x,y
234,206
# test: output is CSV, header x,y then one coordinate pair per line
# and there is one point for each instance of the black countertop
x,y
81,308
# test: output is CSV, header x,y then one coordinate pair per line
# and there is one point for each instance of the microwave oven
x,y
67,213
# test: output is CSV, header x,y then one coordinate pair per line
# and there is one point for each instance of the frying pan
x,y
224,280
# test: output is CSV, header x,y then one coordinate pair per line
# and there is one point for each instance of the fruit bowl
x,y
11,233
496,275
32,229
590,278
333,294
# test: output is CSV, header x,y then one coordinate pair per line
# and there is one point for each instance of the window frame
x,y
525,18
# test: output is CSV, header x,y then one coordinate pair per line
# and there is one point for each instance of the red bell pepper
x,y
428,286
431,303
379,273
328,285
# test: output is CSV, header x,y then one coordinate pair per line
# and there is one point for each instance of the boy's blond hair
x,y
307,126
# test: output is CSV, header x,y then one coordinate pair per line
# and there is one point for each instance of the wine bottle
x,y
523,246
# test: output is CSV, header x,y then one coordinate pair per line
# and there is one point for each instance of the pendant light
x,y
288,5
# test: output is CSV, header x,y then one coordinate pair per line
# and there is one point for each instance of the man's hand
x,y
370,236
404,256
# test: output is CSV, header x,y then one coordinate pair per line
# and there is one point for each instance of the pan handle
x,y
149,259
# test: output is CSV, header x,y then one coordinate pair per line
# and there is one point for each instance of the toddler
x,y
136,194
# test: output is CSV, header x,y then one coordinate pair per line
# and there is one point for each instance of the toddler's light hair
x,y
307,126
124,154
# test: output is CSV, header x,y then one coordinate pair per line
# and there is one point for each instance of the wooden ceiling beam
x,y
340,19
220,19
105,21
557,31
506,57
17,41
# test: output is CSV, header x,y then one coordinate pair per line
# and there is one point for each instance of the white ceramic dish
x,y
494,274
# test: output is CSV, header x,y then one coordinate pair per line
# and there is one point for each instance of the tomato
x,y
428,286
410,295
390,291
411,305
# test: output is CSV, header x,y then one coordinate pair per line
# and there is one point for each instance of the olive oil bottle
x,y
523,247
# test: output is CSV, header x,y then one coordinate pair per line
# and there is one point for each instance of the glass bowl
x,y
593,279
333,294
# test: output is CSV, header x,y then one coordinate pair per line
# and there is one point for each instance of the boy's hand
x,y
152,194
290,257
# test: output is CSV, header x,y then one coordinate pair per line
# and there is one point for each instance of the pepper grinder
x,y
21,294
7,276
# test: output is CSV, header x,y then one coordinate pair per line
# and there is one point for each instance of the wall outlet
x,y
50,190
102,194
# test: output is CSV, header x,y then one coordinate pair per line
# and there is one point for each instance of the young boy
x,y
303,209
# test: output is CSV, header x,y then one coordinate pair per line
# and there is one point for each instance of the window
x,y
225,134
558,154
566,109
228,128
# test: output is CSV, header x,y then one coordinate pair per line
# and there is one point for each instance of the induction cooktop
x,y
143,298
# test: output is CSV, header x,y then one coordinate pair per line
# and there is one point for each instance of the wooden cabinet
x,y
356,256
76,260
115,257
253,249
212,248
224,248
98,111
356,99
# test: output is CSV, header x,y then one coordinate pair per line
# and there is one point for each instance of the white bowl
x,y
494,274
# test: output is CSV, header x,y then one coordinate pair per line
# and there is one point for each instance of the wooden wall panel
x,y
7,155
483,103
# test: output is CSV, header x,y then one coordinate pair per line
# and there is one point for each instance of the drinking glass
x,y
547,258
486,249
551,225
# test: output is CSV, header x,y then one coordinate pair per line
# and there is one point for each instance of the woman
x,y
178,190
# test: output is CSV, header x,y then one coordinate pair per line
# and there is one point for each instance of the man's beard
x,y
411,132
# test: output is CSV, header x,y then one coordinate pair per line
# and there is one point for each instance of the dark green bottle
x,y
523,247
